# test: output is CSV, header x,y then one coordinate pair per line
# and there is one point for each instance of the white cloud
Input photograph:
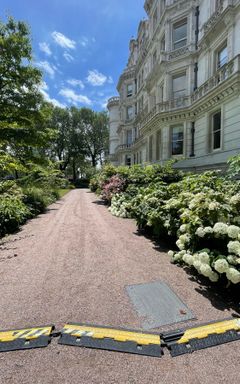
x,y
84,41
44,47
73,97
104,104
48,68
43,88
96,78
68,57
63,41
76,83
110,80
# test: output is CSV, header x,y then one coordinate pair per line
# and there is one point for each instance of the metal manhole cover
x,y
157,304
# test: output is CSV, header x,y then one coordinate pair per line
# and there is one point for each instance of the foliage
x,y
96,134
19,81
13,212
114,185
37,199
201,212
234,167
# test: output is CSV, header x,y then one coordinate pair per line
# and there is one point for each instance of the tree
x,y
96,134
20,98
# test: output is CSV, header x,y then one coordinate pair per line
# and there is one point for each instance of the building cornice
x,y
128,74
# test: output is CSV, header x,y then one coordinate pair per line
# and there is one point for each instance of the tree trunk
x,y
74,170
94,163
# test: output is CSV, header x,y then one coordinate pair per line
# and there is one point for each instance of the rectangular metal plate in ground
x,y
26,338
121,340
157,304
180,342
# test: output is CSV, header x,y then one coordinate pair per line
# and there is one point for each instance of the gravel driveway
x,y
72,264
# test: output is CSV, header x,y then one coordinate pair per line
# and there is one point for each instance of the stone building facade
x,y
179,96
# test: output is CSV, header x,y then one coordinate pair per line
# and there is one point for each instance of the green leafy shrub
x,y
38,199
201,212
13,213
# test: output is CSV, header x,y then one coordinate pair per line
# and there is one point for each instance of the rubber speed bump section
x,y
26,338
91,336
180,342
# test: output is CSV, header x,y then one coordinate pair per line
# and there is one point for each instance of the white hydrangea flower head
x,y
234,247
221,265
170,253
204,257
188,259
183,228
177,257
232,259
208,230
185,238
233,275
220,229
235,199
205,270
233,231
197,264
214,277
213,206
200,232
180,245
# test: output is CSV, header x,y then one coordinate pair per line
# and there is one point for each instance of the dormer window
x,y
180,34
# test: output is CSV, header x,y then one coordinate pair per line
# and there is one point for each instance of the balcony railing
x,y
221,75
166,106
123,147
113,101
214,18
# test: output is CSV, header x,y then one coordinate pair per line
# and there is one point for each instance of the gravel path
x,y
72,264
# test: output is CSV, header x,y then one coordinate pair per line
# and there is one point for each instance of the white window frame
x,y
180,23
214,132
129,92
129,116
175,141
218,53
175,76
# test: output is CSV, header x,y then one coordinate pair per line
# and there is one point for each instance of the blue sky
x,y
81,45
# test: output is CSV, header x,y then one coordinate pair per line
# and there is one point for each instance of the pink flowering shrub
x,y
113,185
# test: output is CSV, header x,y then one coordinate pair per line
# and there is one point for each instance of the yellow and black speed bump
x,y
180,342
27,338
92,336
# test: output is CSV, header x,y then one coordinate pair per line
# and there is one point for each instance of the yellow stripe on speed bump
x,y
206,330
26,338
112,339
204,336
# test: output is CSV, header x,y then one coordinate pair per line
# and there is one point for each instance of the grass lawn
x,y
63,192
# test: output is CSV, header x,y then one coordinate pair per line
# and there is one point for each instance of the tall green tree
x,y
96,134
20,98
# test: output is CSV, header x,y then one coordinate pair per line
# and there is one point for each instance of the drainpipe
x,y
195,76
197,13
192,154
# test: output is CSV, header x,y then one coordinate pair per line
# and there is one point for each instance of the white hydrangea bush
x,y
119,206
200,212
